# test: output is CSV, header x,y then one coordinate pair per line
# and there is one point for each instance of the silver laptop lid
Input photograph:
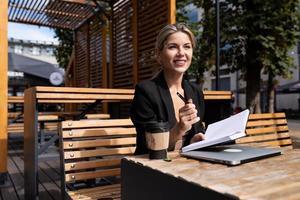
x,y
232,154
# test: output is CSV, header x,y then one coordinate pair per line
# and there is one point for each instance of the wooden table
x,y
272,178
35,95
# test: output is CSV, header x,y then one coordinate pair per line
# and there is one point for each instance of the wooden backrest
x,y
81,95
89,95
15,99
267,129
217,95
93,148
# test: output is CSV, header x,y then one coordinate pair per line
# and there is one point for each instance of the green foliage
x,y
64,50
204,33
256,36
261,33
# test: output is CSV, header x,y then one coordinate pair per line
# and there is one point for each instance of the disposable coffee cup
x,y
157,138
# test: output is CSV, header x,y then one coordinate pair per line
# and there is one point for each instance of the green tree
x,y
256,37
204,33
64,50
260,35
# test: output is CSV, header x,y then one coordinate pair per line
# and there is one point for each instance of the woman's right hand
x,y
187,117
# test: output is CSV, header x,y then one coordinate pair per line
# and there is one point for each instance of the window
x,y
36,50
224,84
18,49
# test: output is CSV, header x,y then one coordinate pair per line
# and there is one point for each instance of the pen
x,y
181,97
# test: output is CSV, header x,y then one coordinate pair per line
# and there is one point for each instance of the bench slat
x,y
83,90
266,116
92,164
62,96
98,132
267,137
91,190
99,143
96,123
266,122
99,152
93,174
253,131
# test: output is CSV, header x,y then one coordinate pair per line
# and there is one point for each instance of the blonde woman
x,y
157,99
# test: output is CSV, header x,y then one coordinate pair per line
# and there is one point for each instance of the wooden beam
x,y
104,64
172,11
104,56
3,84
85,2
111,46
134,26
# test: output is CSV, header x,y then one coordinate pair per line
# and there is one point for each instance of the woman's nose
x,y
180,51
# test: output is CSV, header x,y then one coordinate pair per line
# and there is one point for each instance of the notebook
x,y
232,154
224,131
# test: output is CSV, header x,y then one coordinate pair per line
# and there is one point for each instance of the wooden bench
x,y
91,151
57,95
267,129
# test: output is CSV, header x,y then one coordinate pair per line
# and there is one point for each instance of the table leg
x,y
30,144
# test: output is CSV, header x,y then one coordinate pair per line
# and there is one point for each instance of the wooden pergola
x,y
113,47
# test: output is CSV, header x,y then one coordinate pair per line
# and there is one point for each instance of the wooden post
x,y
3,89
134,26
111,55
172,11
104,55
104,64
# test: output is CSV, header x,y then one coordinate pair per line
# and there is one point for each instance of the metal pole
x,y
217,43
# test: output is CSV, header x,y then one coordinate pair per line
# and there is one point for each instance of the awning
x,y
31,66
293,87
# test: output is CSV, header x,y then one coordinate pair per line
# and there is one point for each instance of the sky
x,y
30,32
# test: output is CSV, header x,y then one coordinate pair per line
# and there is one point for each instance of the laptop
x,y
232,154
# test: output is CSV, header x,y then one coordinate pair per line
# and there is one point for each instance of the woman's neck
x,y
174,81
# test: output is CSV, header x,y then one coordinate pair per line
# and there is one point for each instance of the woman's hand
x,y
197,137
187,117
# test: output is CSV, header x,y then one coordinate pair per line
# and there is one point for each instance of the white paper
x,y
225,130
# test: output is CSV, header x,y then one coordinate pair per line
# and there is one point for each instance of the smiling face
x,y
176,55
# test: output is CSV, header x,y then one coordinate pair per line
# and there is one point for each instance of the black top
x,y
152,102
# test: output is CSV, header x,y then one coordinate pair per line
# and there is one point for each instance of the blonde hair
x,y
168,30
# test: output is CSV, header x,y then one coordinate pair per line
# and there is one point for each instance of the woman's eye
x,y
187,46
172,47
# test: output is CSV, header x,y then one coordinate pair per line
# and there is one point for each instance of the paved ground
x,y
294,129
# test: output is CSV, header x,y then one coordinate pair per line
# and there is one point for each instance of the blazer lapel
x,y
188,91
166,99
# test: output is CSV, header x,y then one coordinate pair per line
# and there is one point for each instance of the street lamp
x,y
217,43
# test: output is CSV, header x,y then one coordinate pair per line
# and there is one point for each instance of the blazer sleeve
x,y
142,111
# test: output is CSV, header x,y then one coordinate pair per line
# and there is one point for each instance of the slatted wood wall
x,y
90,54
133,28
152,16
133,61
81,57
122,44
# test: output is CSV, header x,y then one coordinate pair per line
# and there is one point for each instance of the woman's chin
x,y
180,69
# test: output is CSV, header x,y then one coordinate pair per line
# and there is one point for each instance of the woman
x,y
157,99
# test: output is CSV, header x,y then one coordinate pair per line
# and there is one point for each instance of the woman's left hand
x,y
197,137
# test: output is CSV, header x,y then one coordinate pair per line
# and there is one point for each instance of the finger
x,y
193,116
201,136
187,107
188,112
189,101
195,120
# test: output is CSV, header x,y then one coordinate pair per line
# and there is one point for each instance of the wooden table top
x,y
272,178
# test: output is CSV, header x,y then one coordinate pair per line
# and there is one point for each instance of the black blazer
x,y
152,102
